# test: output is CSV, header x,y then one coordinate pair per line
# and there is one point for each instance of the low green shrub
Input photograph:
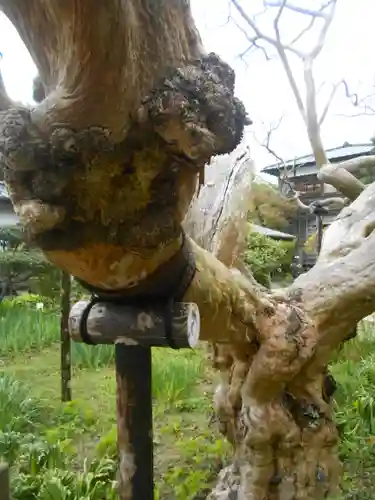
x,y
265,256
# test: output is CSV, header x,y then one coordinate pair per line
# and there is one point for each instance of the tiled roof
x,y
339,153
271,233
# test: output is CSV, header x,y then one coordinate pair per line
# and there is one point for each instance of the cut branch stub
x,y
152,326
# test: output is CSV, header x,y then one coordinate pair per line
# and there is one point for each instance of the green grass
x,y
69,451
26,328
354,370
188,452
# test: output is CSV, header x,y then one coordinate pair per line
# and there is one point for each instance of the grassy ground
x,y
67,452
188,451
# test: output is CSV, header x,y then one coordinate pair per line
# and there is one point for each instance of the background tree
x,y
339,175
103,173
268,208
22,268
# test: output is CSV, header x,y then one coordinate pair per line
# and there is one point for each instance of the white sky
x,y
261,84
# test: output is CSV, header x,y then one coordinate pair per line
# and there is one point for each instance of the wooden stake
x,y
134,422
4,482
65,351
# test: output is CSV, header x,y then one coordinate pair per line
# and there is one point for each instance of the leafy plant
x,y
18,263
265,256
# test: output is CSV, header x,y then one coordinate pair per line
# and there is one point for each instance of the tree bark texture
x,y
107,170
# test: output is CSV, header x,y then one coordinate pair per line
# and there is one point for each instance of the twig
x,y
300,10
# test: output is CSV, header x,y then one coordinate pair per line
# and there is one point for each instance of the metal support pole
x,y
134,422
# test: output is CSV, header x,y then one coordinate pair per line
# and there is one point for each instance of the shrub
x,y
265,255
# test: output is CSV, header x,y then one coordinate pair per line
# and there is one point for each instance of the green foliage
x,y
268,208
50,460
24,326
354,371
41,458
265,256
69,451
18,263
28,301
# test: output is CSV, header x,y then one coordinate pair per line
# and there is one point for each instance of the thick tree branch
x,y
340,175
103,170
344,276
313,54
312,123
70,54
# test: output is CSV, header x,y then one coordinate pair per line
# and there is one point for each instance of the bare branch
x,y
254,45
258,34
253,42
298,9
304,31
350,95
267,143
323,34
284,179
278,15
328,103
312,123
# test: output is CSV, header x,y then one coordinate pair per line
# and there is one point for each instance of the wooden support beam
x,y
151,326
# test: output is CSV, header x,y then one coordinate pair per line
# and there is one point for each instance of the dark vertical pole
x,y
134,422
4,482
65,352
319,227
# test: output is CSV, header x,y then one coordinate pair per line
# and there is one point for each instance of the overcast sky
x,y
261,84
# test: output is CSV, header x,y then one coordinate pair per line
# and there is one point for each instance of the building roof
x,y
344,152
272,233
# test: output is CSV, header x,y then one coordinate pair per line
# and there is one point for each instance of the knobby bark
x,y
106,171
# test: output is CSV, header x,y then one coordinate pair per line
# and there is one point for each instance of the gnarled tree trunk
x,y
102,174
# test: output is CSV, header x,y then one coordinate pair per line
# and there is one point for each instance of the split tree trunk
x,y
102,174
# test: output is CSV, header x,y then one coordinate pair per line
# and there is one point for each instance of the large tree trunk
x,y
102,174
